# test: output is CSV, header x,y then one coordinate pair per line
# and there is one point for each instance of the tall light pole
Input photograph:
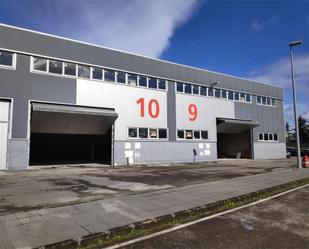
x,y
292,44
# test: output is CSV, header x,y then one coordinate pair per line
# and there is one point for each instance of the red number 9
x,y
192,109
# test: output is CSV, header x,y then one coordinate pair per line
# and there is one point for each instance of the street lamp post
x,y
292,44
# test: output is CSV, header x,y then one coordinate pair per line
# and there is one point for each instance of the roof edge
x,y
131,53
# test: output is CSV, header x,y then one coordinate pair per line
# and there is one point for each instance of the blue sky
x,y
243,38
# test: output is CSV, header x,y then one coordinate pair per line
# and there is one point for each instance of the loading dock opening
x,y
234,138
62,134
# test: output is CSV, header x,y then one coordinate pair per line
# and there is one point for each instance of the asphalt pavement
x,y
281,223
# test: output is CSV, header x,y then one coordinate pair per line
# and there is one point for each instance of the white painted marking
x,y
207,146
207,152
137,145
128,153
127,145
201,146
202,219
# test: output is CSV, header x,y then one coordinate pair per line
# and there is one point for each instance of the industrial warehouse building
x,y
64,101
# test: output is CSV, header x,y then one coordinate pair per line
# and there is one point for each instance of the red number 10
x,y
152,113
192,109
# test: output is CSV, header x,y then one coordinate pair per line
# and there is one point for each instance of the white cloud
x,y
258,26
139,26
279,73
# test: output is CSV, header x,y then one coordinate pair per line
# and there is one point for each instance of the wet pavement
x,y
56,186
278,223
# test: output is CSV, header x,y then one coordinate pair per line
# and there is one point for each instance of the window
x,y
132,79
153,133
248,98
195,89
142,81
259,99
275,137
236,96
97,73
6,58
179,87
231,95
268,101
132,132
162,133
273,102
264,100
162,85
265,136
39,64
242,97
181,134
69,69
261,136
55,67
109,75
189,134
197,134
270,137
152,83
188,88
143,133
210,92
223,94
84,72
204,134
217,93
121,77
203,91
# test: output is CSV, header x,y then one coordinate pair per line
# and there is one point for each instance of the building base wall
x,y
269,150
137,152
18,158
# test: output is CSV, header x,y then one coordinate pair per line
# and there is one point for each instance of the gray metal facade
x,y
22,86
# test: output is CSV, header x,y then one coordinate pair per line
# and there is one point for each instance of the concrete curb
x,y
91,241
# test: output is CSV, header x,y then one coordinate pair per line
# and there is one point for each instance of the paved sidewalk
x,y
45,226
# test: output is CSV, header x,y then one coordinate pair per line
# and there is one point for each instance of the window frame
x,y
138,78
184,88
262,134
155,80
92,69
159,83
179,138
206,133
196,87
32,65
194,134
116,77
14,58
136,133
63,69
128,80
61,62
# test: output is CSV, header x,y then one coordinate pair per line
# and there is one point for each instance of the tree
x,y
287,132
303,129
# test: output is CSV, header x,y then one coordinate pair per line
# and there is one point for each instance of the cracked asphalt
x,y
64,185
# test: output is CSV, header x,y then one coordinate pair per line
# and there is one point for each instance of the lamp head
x,y
295,43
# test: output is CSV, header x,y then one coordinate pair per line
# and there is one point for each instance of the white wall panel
x,y
208,109
123,99
4,125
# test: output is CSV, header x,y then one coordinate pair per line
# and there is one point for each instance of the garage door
x,y
4,128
